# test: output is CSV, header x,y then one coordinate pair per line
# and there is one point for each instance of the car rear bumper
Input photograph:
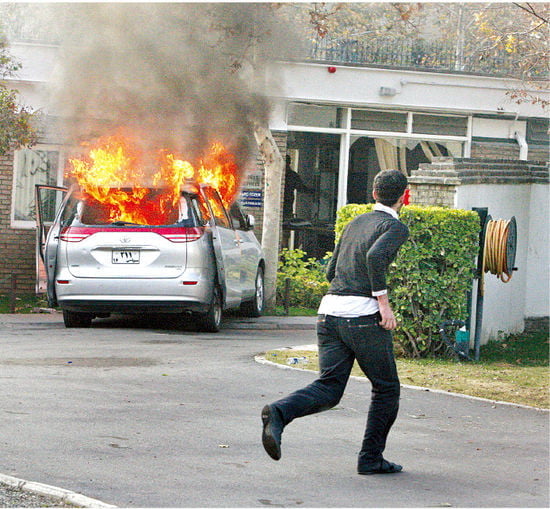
x,y
104,295
132,306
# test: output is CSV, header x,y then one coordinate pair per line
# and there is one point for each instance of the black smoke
x,y
180,75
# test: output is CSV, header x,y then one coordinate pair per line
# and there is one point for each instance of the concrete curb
x,y
230,322
262,360
266,325
62,495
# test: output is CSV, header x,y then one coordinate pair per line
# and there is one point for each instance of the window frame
x,y
346,128
46,147
212,195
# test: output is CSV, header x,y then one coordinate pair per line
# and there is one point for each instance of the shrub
x,y
431,275
308,282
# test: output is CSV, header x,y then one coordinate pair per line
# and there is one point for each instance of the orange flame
x,y
118,175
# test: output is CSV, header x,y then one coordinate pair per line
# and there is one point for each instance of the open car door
x,y
49,201
227,250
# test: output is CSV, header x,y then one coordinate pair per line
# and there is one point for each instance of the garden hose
x,y
499,248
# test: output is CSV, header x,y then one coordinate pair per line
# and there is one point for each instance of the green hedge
x,y
432,273
308,281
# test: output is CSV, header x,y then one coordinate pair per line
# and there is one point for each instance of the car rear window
x,y
153,208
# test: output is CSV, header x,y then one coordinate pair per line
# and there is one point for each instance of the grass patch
x,y
513,370
293,311
23,303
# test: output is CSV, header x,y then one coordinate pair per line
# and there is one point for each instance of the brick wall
x,y
494,150
436,183
538,153
439,195
17,247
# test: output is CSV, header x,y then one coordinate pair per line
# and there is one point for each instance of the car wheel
x,y
76,319
255,307
212,319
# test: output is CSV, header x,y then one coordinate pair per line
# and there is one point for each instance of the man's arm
x,y
382,252
388,318
331,267
379,256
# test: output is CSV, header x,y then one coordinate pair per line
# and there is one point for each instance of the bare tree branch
x,y
531,11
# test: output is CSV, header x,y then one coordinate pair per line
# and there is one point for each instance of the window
x,y
39,165
537,131
201,211
379,121
313,115
238,218
440,124
218,210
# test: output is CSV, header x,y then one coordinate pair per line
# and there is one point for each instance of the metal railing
x,y
412,54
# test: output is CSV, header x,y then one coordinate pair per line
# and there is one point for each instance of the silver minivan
x,y
202,260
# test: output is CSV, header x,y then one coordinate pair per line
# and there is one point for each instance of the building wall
x,y
537,265
438,195
510,150
507,189
504,303
361,86
350,85
538,153
17,247
495,150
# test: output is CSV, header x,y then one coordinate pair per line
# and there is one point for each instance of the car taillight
x,y
74,234
182,234
173,234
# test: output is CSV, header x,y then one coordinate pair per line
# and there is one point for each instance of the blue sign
x,y
252,198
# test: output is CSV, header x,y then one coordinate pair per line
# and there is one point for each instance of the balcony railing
x,y
412,54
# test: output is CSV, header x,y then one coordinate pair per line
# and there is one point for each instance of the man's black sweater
x,y
361,259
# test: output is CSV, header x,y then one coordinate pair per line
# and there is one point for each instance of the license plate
x,y
125,256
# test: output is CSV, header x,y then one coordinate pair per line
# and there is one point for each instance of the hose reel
x,y
497,255
499,241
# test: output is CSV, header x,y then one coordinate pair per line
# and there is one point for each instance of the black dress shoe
x,y
381,467
271,434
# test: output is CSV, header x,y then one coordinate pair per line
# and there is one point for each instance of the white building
x,y
340,124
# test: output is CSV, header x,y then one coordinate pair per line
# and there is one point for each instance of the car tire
x,y
212,319
255,307
76,319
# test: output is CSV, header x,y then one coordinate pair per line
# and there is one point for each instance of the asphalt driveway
x,y
141,414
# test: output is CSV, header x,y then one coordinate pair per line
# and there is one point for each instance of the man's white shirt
x,y
352,306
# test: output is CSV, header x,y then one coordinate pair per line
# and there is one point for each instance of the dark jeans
x,y
341,341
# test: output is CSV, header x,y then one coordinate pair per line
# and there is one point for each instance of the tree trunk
x,y
274,165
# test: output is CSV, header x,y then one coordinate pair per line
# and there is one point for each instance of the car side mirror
x,y
250,221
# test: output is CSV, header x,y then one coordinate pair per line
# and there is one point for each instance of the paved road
x,y
142,414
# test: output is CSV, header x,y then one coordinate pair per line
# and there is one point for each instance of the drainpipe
x,y
523,147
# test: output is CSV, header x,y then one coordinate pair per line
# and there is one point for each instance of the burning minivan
x,y
149,249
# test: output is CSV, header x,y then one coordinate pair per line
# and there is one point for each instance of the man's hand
x,y
388,321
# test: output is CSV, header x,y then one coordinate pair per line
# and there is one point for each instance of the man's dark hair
x,y
389,186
